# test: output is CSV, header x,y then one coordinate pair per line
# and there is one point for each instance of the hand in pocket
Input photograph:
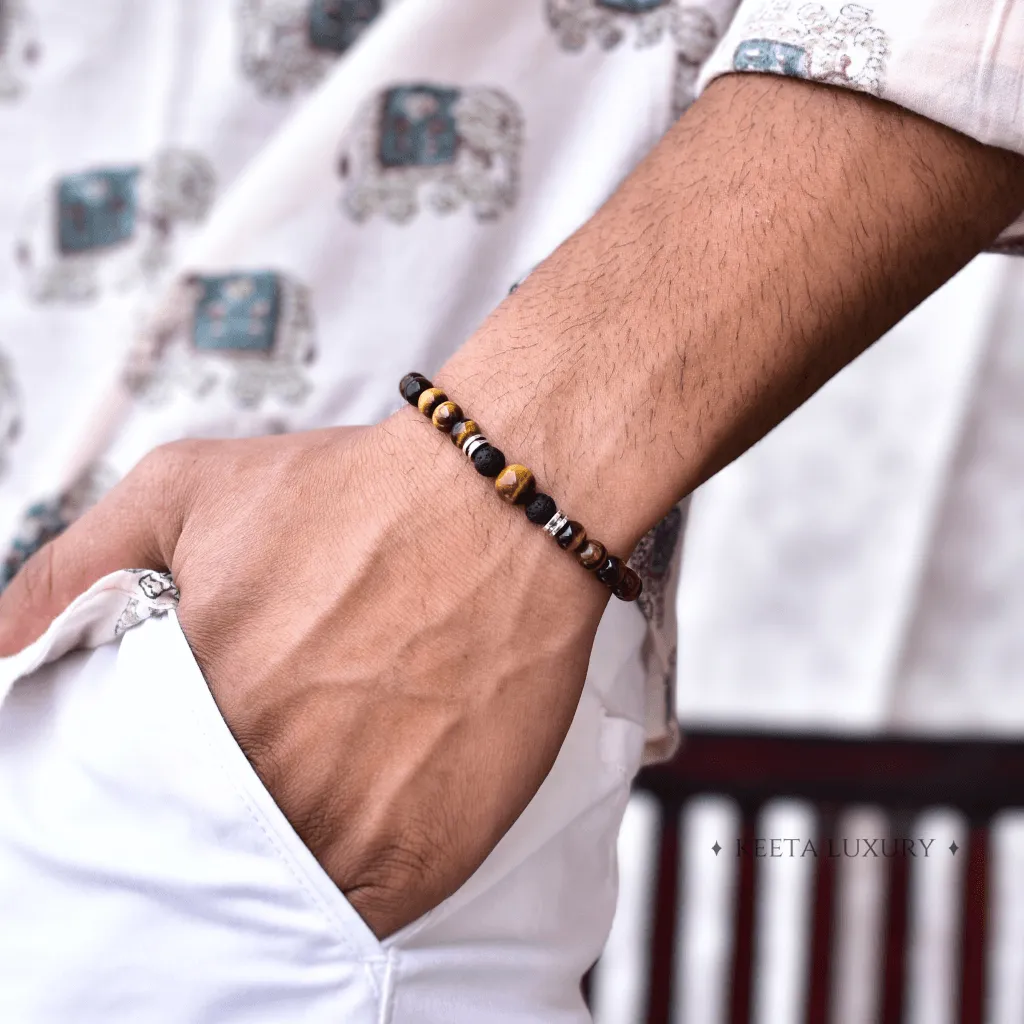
x,y
398,654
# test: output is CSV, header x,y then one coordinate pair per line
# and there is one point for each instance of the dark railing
x,y
901,776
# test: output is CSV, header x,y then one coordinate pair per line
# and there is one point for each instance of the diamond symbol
x,y
716,848
953,847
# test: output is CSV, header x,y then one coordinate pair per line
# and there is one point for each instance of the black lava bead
x,y
488,460
541,509
413,385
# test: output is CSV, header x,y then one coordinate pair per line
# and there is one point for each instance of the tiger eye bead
x,y
446,415
611,571
515,484
430,399
413,385
592,554
629,587
571,536
463,429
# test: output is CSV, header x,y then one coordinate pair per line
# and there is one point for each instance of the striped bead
x,y
555,523
515,484
470,445
446,415
430,399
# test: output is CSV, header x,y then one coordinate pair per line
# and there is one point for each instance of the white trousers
x,y
146,875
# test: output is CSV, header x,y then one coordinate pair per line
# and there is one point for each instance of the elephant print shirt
x,y
231,218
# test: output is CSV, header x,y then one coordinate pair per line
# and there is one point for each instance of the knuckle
x,y
169,462
402,881
166,479
413,860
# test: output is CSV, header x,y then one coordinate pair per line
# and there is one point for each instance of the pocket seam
x,y
620,770
281,855
277,849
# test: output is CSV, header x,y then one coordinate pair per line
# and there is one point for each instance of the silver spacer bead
x,y
555,523
472,443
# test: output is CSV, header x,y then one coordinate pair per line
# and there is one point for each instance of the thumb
x,y
135,526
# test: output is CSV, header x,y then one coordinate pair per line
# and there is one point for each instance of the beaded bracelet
x,y
517,486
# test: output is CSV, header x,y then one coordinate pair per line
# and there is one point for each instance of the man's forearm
x,y
774,233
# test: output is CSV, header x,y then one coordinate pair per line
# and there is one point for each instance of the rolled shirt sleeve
x,y
957,62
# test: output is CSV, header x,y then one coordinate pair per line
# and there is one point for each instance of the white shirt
x,y
356,186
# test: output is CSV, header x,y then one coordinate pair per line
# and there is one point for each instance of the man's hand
x,y
398,653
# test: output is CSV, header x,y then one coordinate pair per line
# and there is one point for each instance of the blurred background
x,y
860,573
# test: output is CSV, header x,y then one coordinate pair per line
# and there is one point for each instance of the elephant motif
x,y
19,47
110,227
657,561
158,594
255,325
652,559
460,146
608,21
10,410
842,50
48,519
770,55
290,45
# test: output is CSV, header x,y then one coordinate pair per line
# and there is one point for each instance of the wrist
x,y
450,514
517,485
516,378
